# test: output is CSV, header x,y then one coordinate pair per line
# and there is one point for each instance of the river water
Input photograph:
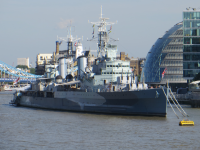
x,y
30,128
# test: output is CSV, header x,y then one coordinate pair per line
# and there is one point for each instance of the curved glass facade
x,y
166,53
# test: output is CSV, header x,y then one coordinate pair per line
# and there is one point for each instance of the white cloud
x,y
64,23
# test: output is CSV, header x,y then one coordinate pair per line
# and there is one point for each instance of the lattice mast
x,y
103,34
69,39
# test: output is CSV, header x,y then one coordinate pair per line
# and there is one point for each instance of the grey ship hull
x,y
143,102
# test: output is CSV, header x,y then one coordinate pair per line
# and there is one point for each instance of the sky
x,y
29,27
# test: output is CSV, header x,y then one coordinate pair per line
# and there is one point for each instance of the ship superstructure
x,y
64,62
106,68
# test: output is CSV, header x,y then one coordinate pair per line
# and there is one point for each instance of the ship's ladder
x,y
173,99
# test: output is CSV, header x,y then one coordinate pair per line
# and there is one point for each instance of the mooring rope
x,y
178,102
176,105
169,103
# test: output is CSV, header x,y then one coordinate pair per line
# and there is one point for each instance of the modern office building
x,y
191,45
166,54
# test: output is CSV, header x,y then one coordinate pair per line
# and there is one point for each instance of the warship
x,y
104,85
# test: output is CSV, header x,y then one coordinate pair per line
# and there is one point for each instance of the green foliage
x,y
22,66
138,78
197,77
32,70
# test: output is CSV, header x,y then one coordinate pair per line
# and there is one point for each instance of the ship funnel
x,y
57,47
62,67
82,64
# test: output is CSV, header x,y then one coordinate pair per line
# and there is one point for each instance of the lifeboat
x,y
186,123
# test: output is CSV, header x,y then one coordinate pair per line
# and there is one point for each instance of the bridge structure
x,y
11,74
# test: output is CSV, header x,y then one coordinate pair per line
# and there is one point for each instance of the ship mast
x,y
103,34
69,39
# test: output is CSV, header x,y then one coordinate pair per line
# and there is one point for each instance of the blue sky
x,y
29,27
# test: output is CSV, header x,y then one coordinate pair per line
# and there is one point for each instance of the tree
x,y
197,77
32,70
138,78
22,66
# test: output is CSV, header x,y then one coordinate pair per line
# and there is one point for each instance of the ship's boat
x,y
186,123
17,87
104,84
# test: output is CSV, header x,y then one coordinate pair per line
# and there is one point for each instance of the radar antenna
x,y
69,35
103,34
69,39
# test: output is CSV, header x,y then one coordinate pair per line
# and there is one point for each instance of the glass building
x,y
191,45
165,54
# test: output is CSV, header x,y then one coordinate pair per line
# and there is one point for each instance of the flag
x,y
75,44
163,73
